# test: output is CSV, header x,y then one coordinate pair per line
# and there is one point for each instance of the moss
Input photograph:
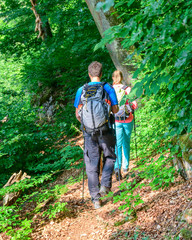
x,y
185,143
188,216
186,234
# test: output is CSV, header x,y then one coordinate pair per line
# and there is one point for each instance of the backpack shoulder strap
x,y
124,87
103,83
105,93
85,85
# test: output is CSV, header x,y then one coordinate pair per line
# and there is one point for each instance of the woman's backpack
x,y
125,109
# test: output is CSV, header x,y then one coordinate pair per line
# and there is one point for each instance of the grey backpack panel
x,y
94,115
94,112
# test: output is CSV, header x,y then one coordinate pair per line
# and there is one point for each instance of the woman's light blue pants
x,y
123,136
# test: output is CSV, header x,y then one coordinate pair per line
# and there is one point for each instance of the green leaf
x,y
139,92
130,211
170,86
164,79
155,87
138,202
136,73
130,2
181,113
105,5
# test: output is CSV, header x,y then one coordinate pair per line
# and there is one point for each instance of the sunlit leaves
x,y
161,32
105,6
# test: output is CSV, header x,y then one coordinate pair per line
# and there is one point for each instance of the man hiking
x,y
93,103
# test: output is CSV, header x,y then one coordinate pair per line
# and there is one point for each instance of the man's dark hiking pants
x,y
92,154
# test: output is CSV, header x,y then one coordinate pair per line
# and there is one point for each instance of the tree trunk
x,y
44,32
184,163
103,22
10,198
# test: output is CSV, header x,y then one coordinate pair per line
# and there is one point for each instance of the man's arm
x,y
77,115
112,95
77,104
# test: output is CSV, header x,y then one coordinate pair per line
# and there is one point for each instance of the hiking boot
x,y
104,191
97,203
118,175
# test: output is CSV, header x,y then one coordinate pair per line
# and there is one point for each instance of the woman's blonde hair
x,y
117,77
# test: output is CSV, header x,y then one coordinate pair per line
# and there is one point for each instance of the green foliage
x,y
130,200
15,221
22,233
161,34
105,6
59,61
32,71
158,171
42,196
11,223
27,184
56,208
26,143
151,125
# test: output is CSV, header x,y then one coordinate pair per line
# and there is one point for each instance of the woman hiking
x,y
123,123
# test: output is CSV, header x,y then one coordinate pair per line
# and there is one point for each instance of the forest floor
x,y
159,217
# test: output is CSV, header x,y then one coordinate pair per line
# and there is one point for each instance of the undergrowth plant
x,y
39,148
16,221
26,143
154,163
53,210
160,32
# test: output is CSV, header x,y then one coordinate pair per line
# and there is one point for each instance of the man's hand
x,y
115,108
77,114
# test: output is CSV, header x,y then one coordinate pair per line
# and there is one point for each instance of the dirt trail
x,y
159,217
82,221
156,218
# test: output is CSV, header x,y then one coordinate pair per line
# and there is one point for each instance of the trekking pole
x,y
83,177
117,155
135,136
83,181
118,166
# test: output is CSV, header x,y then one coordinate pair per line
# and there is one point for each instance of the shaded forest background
x,y
39,78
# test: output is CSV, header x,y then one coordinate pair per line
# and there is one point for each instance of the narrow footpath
x,y
157,218
161,216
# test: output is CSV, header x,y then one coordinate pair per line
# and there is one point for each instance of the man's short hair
x,y
95,69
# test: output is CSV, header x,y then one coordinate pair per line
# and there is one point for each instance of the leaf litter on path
x,y
156,218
